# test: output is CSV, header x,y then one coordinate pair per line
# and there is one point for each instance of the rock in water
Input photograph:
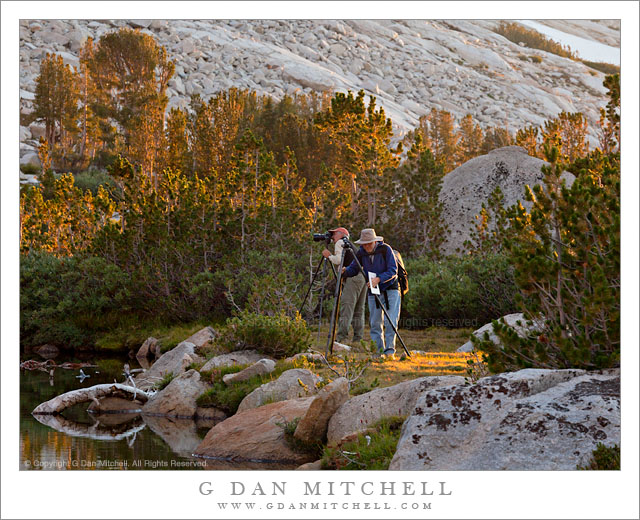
x,y
148,348
297,382
262,367
528,420
363,411
178,398
256,435
469,185
313,426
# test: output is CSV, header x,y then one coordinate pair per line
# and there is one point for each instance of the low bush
x,y
517,33
458,292
604,458
92,179
30,169
60,299
276,336
374,453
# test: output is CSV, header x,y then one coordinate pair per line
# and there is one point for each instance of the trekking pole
x,y
395,330
336,309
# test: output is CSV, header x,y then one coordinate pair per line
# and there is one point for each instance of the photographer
x,y
353,292
378,258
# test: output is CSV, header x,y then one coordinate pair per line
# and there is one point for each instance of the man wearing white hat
x,y
377,257
354,292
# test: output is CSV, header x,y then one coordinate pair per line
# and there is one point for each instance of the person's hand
x,y
326,253
344,269
374,283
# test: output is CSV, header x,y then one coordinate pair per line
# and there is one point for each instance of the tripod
x,y
323,262
338,292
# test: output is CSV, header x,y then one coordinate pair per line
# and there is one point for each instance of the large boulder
x,y
470,184
261,368
313,426
516,320
363,411
256,435
297,382
241,357
173,362
533,419
178,398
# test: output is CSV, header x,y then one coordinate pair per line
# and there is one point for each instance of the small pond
x,y
80,440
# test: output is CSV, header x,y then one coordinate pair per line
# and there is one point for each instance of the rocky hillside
x,y
411,66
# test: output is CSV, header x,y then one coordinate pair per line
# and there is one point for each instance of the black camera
x,y
323,237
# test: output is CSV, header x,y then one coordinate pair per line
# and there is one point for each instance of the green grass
x,y
604,458
228,398
360,455
131,334
313,448
161,385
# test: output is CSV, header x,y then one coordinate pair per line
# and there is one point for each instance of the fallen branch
x,y
81,395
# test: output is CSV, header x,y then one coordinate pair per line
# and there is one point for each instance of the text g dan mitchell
x,y
335,489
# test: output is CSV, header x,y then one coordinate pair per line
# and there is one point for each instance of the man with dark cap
x,y
354,292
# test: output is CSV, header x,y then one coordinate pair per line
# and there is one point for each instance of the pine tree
x,y
56,100
131,72
609,122
566,254
469,140
442,139
495,137
527,137
416,216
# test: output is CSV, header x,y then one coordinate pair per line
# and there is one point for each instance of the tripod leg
x,y
311,284
324,279
336,309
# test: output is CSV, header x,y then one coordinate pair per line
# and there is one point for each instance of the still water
x,y
79,440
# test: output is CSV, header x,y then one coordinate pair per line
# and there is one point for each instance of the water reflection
x,y
81,440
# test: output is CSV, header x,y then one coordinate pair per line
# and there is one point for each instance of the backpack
x,y
403,276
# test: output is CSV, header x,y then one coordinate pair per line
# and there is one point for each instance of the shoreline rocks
x,y
532,419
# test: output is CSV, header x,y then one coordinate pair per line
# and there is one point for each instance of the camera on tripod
x,y
323,237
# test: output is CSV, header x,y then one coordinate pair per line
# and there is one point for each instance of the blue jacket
x,y
382,262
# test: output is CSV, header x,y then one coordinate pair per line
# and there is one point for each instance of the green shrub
x,y
604,458
275,336
606,68
92,179
360,454
30,169
164,382
458,292
67,301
